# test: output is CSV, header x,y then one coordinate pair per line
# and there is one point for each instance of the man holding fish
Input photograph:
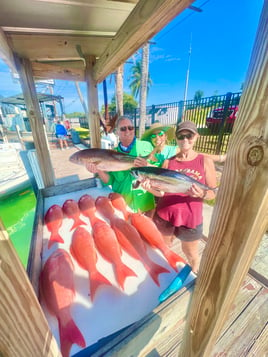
x,y
131,152
179,211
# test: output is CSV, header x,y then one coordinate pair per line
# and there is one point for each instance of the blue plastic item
x,y
176,283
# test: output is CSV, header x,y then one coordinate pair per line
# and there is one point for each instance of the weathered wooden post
x,y
240,216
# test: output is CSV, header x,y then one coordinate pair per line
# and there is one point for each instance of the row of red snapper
x,y
131,233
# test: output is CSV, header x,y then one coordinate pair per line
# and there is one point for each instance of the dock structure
x,y
226,311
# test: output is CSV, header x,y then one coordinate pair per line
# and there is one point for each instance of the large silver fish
x,y
105,159
166,180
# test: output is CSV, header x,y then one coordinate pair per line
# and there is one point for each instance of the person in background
x,y
180,214
61,135
159,136
138,199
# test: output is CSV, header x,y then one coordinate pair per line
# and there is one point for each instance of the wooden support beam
x,y
36,121
24,330
68,71
93,107
6,52
146,19
240,216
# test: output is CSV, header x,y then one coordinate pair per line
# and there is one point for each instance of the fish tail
x,y
173,258
155,270
122,272
54,238
77,222
69,335
96,280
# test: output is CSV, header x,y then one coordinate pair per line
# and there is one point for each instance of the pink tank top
x,y
180,209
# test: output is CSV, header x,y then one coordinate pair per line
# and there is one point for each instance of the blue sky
x,y
222,39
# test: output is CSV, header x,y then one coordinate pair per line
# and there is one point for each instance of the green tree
x,y
135,84
198,95
129,104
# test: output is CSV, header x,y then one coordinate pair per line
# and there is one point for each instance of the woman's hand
x,y
196,191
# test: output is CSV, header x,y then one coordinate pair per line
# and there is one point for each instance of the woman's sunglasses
x,y
161,133
187,136
124,128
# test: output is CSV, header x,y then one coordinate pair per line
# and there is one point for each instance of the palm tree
x,y
119,89
141,83
198,95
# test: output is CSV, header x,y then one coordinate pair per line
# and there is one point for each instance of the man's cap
x,y
156,128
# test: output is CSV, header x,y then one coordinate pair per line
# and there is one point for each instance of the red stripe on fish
x,y
149,231
84,251
57,292
71,210
53,220
108,246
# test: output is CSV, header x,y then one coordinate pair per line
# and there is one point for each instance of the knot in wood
x,y
255,155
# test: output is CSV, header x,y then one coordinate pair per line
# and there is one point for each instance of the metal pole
x,y
187,74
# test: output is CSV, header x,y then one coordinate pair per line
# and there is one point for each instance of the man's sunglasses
x,y
161,133
187,136
124,128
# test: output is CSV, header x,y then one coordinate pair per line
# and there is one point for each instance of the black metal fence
x,y
214,117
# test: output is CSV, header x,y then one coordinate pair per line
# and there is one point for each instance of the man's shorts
x,y
62,137
183,233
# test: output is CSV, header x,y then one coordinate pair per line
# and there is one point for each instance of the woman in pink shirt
x,y
180,214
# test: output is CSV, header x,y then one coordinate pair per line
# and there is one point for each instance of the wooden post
x,y
36,121
240,216
93,107
24,330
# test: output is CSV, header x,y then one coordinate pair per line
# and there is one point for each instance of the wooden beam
x,y
6,52
36,121
24,330
68,71
240,216
146,19
93,117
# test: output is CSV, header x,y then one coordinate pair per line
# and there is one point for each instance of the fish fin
x,y
77,222
96,280
173,258
69,335
155,270
54,238
122,272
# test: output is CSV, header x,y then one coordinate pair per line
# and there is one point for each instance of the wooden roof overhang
x,y
240,216
80,40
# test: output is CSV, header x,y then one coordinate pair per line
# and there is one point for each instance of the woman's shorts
x,y
62,137
183,233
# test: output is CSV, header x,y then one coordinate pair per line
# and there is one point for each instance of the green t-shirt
x,y
121,181
166,153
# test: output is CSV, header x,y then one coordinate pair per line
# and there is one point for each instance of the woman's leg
x,y
190,249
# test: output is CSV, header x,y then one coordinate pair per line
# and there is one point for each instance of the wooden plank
x,y
239,218
34,260
70,187
146,19
68,71
23,328
240,336
260,346
6,52
93,106
36,121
